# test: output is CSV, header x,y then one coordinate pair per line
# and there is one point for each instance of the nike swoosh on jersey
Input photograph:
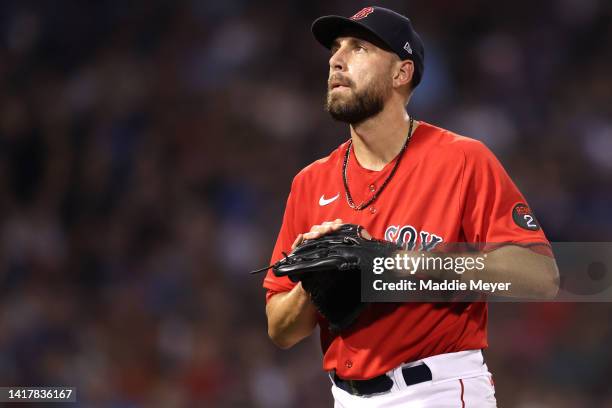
x,y
323,201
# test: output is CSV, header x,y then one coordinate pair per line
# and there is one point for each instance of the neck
x,y
377,140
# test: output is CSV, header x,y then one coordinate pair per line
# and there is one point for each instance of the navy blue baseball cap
x,y
391,29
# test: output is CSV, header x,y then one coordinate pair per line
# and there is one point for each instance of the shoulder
x,y
446,144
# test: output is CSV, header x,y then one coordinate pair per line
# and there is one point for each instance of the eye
x,y
360,47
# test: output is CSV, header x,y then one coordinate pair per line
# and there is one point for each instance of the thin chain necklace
x,y
365,204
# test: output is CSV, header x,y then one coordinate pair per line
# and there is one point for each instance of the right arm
x,y
291,317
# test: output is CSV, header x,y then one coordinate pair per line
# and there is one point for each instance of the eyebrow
x,y
336,43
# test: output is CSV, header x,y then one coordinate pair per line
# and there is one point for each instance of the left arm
x,y
494,211
531,275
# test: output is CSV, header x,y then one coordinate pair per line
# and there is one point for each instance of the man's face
x,y
360,79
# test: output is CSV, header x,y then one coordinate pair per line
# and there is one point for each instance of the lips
x,y
338,86
338,83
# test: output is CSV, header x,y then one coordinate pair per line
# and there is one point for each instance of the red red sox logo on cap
x,y
363,13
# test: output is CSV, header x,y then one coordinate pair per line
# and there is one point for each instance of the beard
x,y
354,107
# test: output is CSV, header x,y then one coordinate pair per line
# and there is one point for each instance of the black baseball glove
x,y
330,267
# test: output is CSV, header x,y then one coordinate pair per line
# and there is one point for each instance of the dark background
x,y
147,150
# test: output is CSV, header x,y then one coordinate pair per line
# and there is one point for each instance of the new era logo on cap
x,y
408,48
363,13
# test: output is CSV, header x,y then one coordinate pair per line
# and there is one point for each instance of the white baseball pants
x,y
459,380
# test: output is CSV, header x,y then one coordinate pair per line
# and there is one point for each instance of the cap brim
x,y
327,28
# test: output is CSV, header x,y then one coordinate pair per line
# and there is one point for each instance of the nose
x,y
337,60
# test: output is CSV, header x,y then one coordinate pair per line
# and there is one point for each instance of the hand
x,y
319,230
329,261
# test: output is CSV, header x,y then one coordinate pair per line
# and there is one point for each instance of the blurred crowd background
x,y
147,150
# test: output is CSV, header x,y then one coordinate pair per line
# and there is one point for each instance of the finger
x,y
365,234
312,235
319,231
325,224
320,228
331,227
314,227
334,223
297,241
326,229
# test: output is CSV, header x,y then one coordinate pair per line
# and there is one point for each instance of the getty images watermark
x,y
458,272
404,265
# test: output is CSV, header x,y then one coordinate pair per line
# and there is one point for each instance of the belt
x,y
383,383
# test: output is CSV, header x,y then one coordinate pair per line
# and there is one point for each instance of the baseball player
x,y
415,184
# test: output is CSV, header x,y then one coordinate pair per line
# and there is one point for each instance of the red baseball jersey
x,y
447,188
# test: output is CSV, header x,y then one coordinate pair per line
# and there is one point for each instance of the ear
x,y
403,73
